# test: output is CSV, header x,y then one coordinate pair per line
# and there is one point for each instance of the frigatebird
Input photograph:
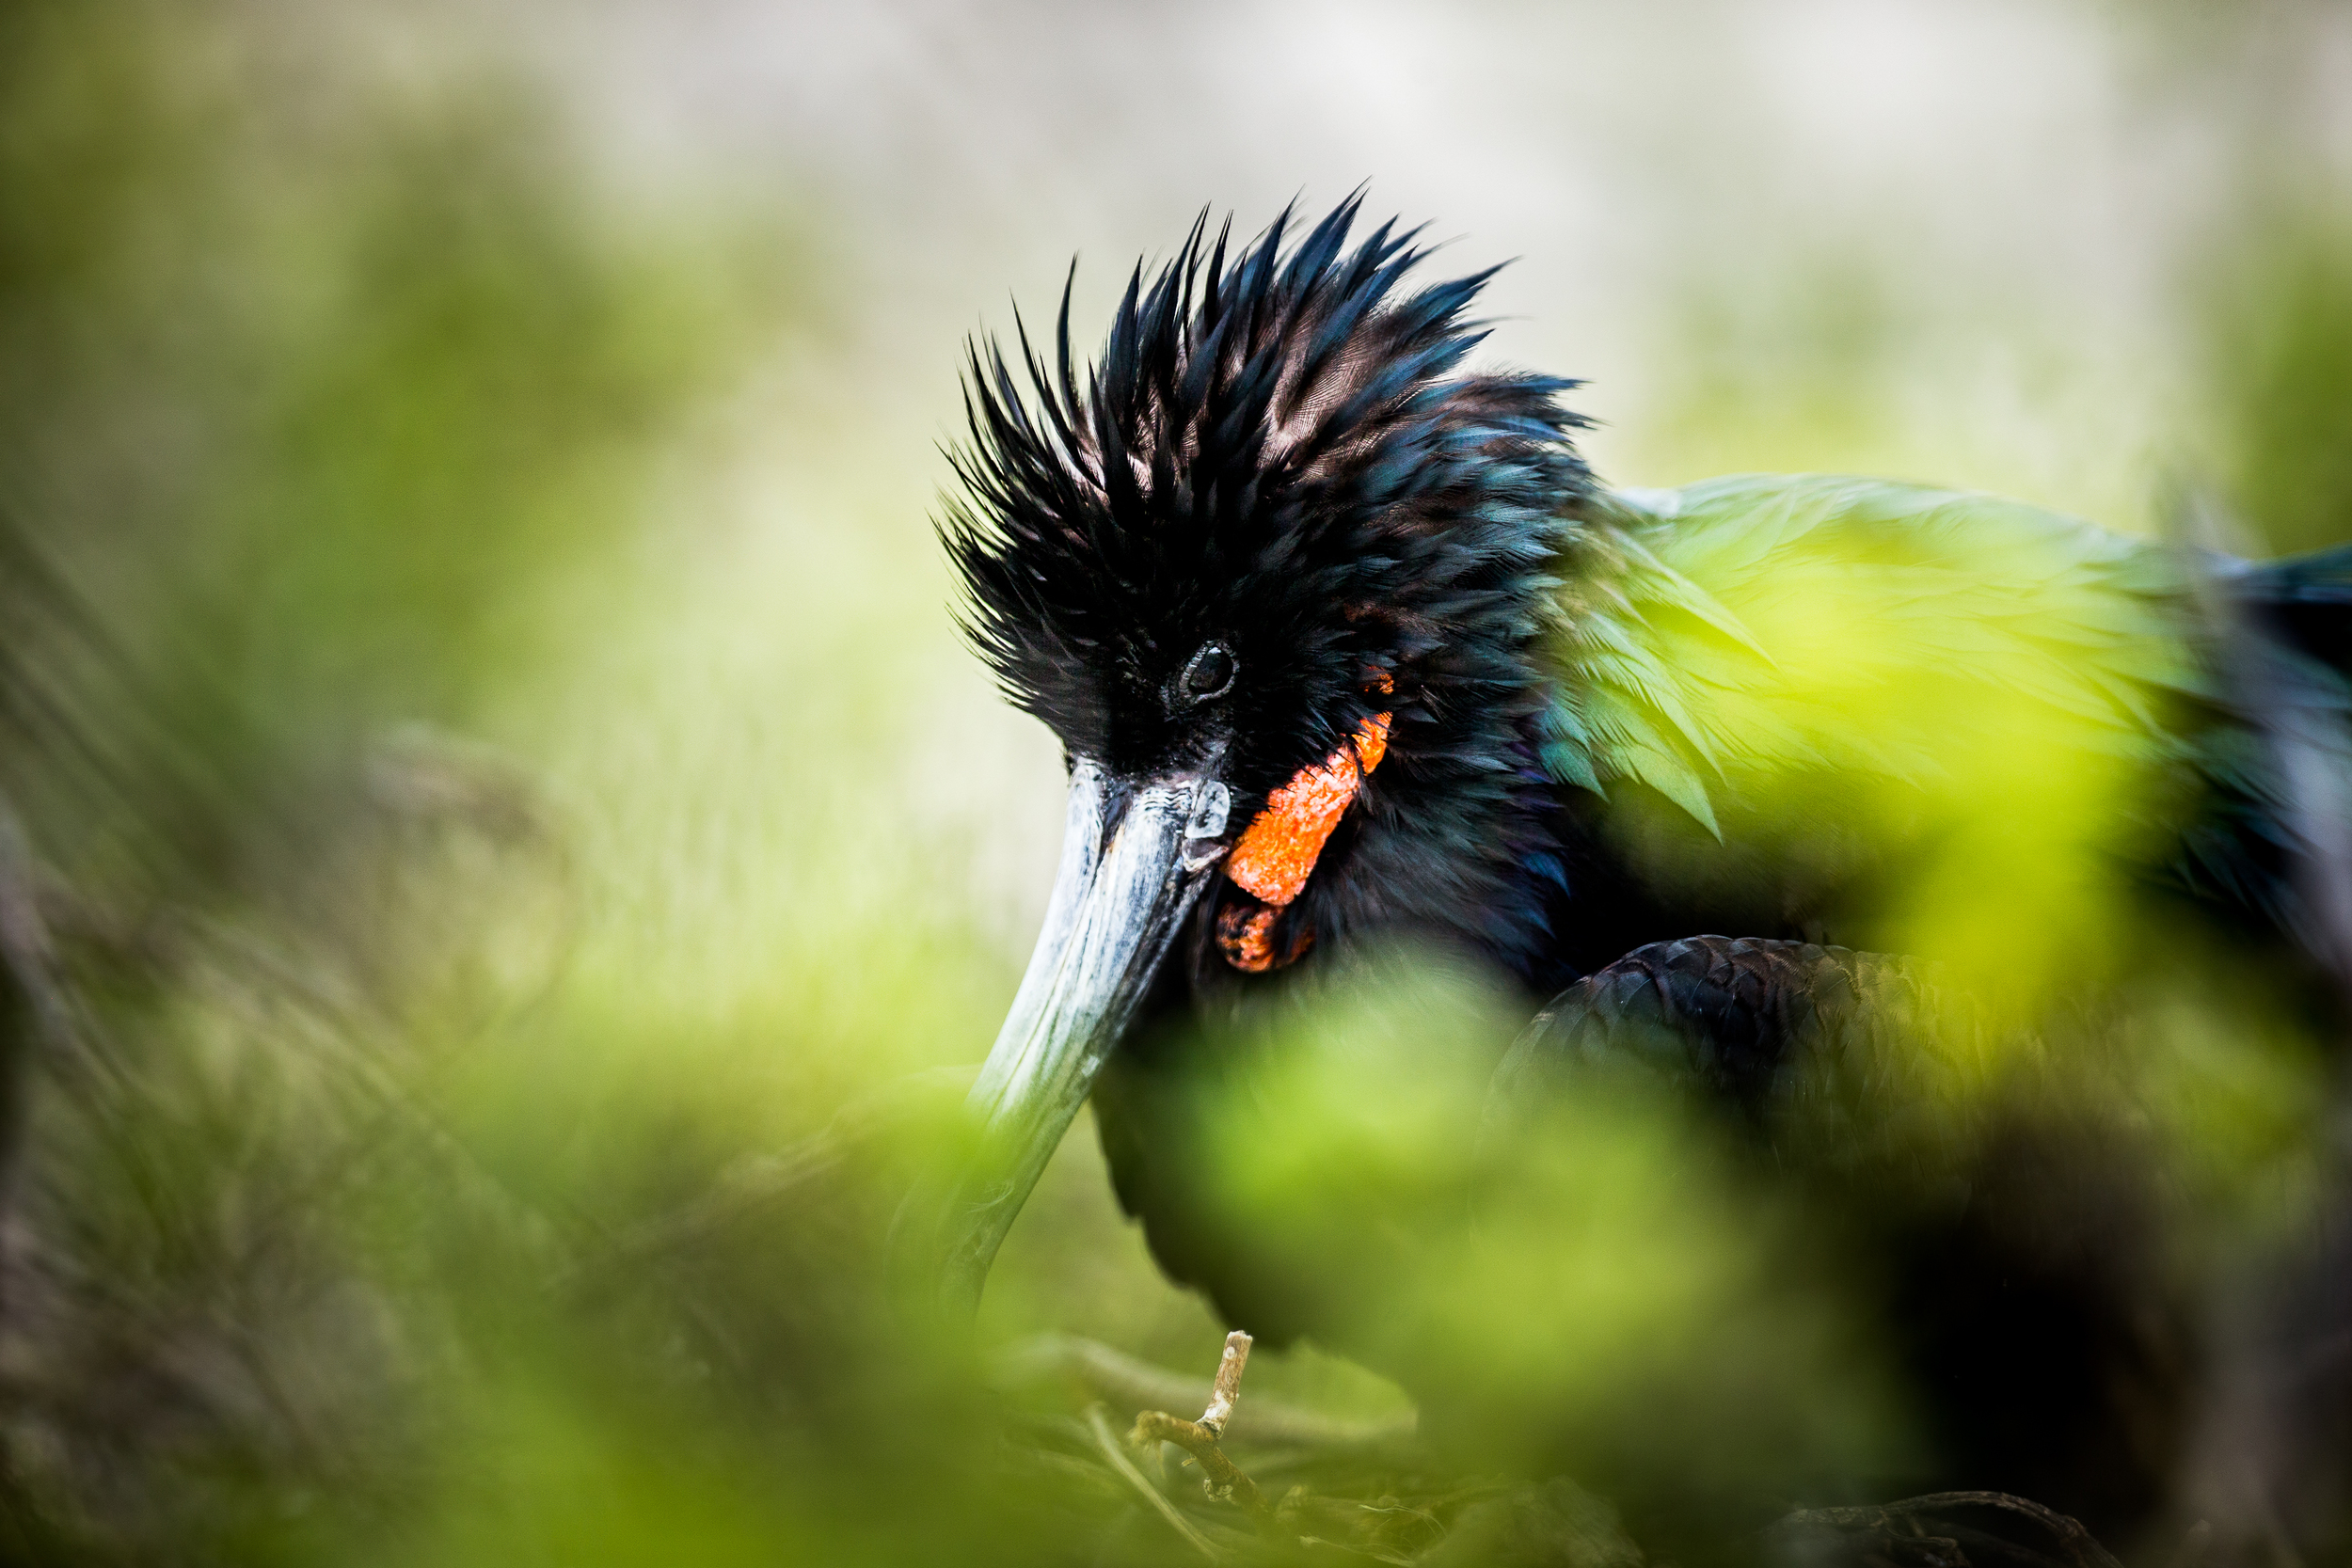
x,y
1343,641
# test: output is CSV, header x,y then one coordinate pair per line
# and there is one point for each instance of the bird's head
x,y
1271,570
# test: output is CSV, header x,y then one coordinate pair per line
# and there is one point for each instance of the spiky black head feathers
x,y
1282,452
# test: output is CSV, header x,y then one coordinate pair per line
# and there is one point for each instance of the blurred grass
x,y
315,392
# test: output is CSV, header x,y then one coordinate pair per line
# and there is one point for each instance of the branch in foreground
x,y
1201,1438
1124,1380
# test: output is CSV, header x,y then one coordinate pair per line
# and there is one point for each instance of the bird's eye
x,y
1208,673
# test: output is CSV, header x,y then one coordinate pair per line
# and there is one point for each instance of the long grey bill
x,y
1128,880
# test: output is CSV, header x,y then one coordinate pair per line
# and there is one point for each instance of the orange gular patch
x,y
1244,934
1279,850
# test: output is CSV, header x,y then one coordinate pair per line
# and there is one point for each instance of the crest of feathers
x,y
1281,447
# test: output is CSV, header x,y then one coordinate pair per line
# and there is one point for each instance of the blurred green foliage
x,y
1630,1307
311,391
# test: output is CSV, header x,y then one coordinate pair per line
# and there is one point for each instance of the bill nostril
x,y
1208,818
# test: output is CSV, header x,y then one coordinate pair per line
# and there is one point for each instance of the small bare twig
x,y
1221,1476
1122,1381
1201,1438
1101,1427
1227,1388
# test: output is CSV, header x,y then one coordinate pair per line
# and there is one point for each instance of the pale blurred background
x,y
2035,248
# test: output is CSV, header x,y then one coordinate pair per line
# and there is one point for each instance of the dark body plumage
x,y
1593,719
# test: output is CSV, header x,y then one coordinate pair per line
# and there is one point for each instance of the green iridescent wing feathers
x,y
1784,656
1761,626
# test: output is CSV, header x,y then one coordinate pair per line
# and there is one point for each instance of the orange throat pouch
x,y
1278,849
